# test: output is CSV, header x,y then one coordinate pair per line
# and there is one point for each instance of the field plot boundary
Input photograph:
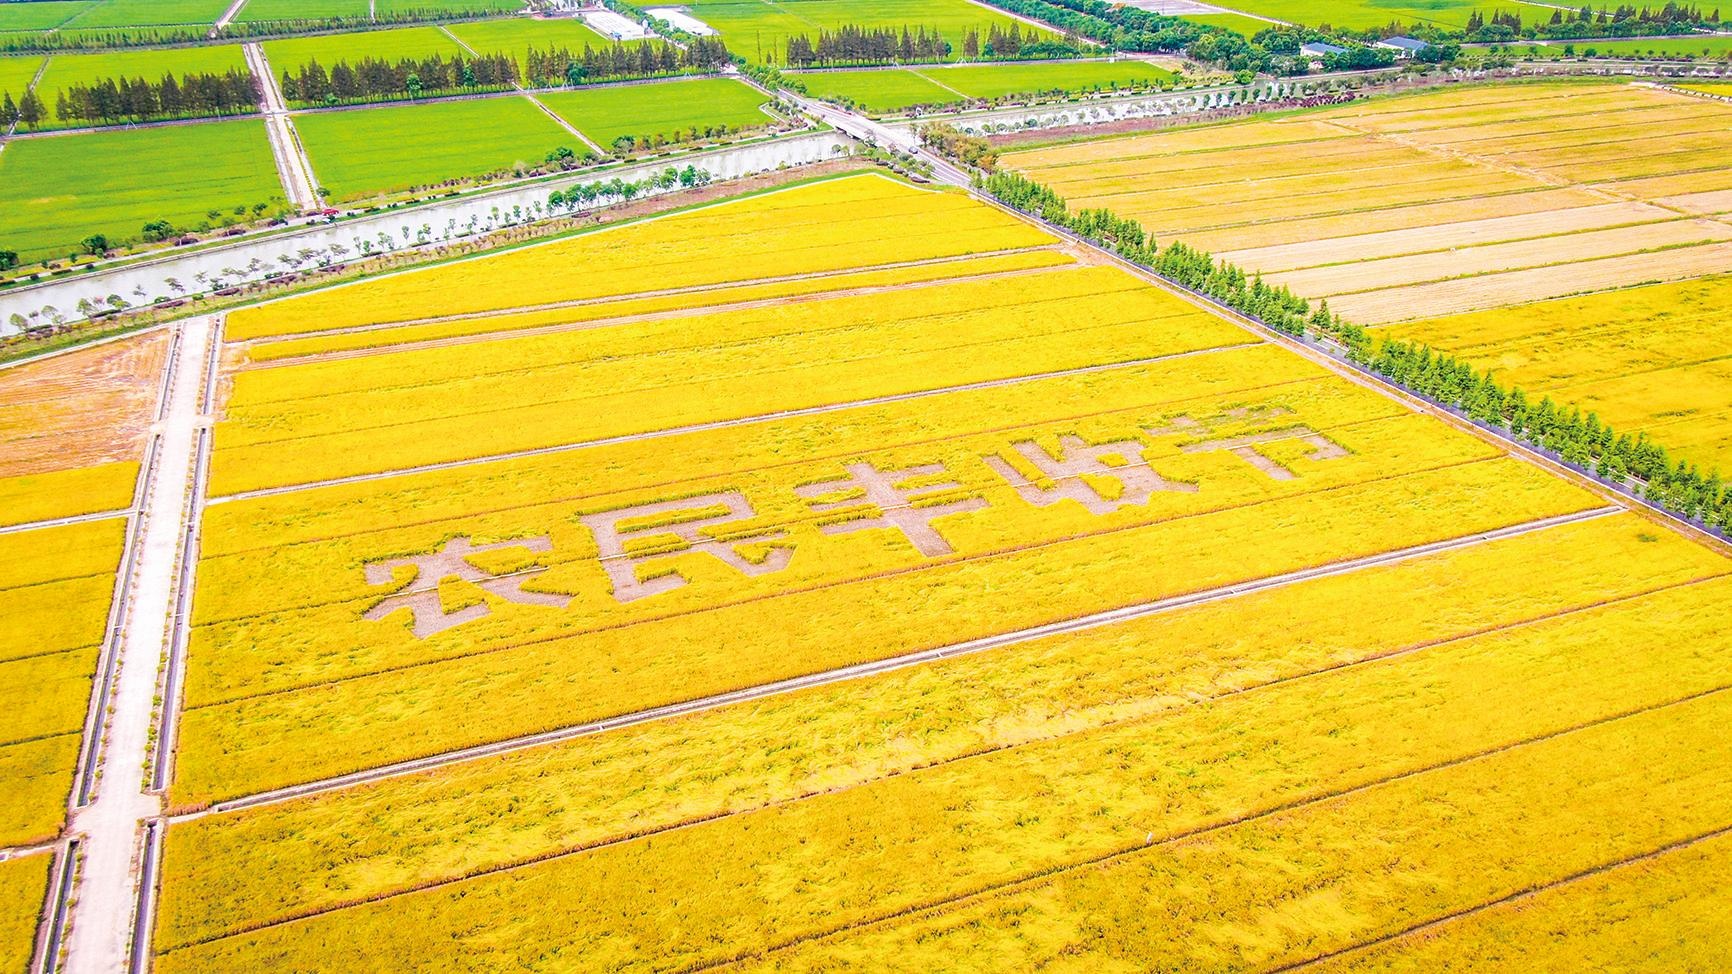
x,y
875,667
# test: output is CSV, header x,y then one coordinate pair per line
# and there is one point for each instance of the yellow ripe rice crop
x,y
325,420
1653,358
311,597
260,742
1290,886
56,584
1663,913
65,493
23,886
619,308
1653,187
262,865
778,234
1259,771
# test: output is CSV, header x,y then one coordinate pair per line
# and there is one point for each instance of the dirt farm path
x,y
112,825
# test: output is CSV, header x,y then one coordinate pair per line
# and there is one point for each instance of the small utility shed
x,y
1320,49
1404,47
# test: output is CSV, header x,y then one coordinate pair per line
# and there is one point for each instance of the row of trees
x,y
1581,439
30,112
1584,23
110,100
1131,29
562,66
375,78
616,189
855,44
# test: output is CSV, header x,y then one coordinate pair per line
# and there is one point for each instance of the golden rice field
x,y
23,882
1654,359
1353,678
56,584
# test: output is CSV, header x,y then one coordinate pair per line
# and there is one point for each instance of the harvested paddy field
x,y
854,576
73,427
1475,217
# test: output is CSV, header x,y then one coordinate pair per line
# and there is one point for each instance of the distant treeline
x,y
1586,23
375,78
110,100
561,66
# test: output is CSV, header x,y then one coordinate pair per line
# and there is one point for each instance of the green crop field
x,y
65,70
328,49
16,72
516,35
669,109
374,151
878,91
456,6
998,80
54,191
40,15
890,90
759,29
1371,14
257,11
1699,47
1248,26
150,13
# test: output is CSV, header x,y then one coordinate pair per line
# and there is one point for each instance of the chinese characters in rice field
x,y
1102,477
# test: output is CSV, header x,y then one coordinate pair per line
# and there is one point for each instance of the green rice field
x,y
759,29
1700,47
455,6
669,109
127,179
411,42
375,151
878,91
998,80
1238,23
42,15
258,11
16,73
1370,14
895,89
150,13
65,70
516,35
